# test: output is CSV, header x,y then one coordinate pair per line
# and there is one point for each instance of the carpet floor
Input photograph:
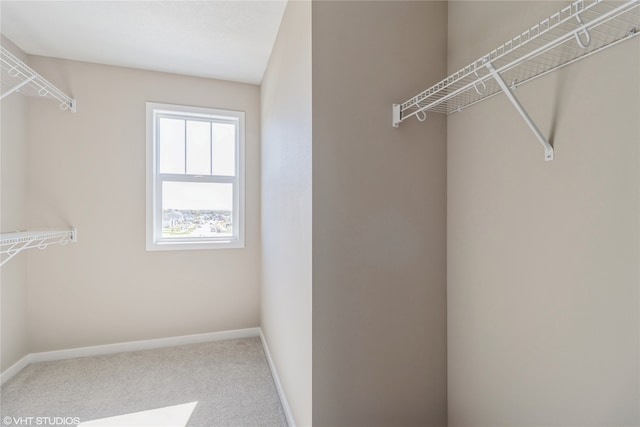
x,y
221,383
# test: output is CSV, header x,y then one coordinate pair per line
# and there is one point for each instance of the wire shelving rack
x,y
581,29
16,76
11,244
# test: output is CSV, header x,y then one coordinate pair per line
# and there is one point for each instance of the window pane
x,y
171,134
198,148
195,209
224,149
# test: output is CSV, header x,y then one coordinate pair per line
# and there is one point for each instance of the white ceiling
x,y
228,40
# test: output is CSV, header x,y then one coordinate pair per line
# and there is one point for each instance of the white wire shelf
x,y
581,29
11,244
16,76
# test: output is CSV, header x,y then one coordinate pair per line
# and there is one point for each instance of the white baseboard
x,y
49,356
283,398
15,368
98,350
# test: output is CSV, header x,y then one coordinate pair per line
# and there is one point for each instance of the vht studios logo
x,y
40,421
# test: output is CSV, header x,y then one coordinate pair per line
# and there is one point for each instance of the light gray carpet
x,y
229,380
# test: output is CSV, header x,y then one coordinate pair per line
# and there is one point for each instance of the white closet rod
x,y
11,244
577,31
23,79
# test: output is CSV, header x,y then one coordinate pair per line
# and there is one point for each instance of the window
x,y
195,178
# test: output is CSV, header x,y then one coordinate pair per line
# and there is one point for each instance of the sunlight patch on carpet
x,y
169,416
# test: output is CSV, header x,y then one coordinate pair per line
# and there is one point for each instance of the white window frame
x,y
154,240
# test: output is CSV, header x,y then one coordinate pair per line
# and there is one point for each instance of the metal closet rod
x,y
575,32
29,82
11,244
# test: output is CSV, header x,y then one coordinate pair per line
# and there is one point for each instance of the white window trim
x,y
153,202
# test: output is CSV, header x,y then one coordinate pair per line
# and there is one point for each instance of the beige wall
x,y
379,199
286,208
13,275
543,299
88,170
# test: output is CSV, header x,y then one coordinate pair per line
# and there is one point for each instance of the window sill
x,y
184,246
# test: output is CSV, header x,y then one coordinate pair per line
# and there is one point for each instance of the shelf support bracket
x,y
15,250
395,114
548,149
17,87
11,254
